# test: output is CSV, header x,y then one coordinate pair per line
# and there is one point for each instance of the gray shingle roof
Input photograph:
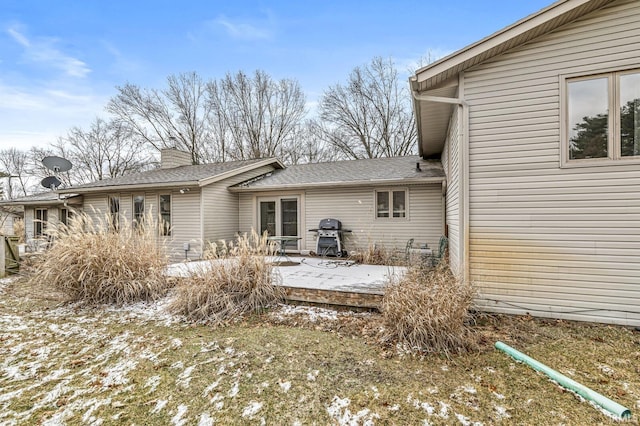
x,y
43,198
170,176
377,170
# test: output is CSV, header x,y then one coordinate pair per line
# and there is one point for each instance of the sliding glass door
x,y
280,217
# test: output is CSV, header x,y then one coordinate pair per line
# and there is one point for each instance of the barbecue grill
x,y
329,235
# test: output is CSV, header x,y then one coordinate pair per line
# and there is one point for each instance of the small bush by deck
x,y
238,279
428,310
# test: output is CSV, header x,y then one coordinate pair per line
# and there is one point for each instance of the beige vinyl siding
x,y
355,207
221,206
552,241
29,216
247,212
185,223
452,203
185,217
95,206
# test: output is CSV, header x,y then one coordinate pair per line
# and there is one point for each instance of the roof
x,y
441,77
376,171
40,199
198,175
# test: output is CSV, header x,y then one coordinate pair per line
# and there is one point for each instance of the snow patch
x,y
313,375
177,420
152,383
160,404
205,420
501,412
339,411
252,409
184,379
285,386
117,375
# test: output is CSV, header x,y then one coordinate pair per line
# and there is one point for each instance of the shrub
x,y
90,262
236,280
19,230
428,310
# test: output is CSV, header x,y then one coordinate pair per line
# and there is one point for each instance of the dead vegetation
x,y
378,254
19,230
428,310
236,280
90,262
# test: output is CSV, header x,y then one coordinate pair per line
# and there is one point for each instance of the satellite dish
x,y
51,182
57,164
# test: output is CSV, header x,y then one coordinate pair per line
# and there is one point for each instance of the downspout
x,y
463,153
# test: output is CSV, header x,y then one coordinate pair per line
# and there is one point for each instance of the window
x,y
603,117
391,204
138,209
40,223
65,216
114,211
165,214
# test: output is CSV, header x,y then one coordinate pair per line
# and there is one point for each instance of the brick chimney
x,y
172,157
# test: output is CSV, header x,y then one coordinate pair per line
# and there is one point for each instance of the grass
x,y
139,365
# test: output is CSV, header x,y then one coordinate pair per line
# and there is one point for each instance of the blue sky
x,y
61,61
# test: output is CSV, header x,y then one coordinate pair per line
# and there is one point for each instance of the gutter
x,y
379,182
130,187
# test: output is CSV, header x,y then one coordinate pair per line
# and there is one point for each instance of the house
x,y
39,210
192,200
538,130
382,201
8,216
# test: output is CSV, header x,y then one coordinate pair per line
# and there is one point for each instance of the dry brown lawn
x,y
65,364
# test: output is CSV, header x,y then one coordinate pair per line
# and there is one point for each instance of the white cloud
x,y
43,50
245,30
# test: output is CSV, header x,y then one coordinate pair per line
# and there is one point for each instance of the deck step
x,y
334,297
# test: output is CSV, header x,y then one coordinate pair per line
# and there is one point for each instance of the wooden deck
x,y
369,300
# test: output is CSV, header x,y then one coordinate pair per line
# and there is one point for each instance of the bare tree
x,y
255,116
107,149
15,166
371,115
307,146
175,117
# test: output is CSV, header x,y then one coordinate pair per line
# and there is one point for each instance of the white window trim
x,y
613,157
390,192
278,199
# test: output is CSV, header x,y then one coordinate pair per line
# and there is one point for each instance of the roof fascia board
x,y
380,182
132,187
240,170
518,28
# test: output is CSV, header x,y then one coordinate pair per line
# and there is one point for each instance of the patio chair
x,y
436,258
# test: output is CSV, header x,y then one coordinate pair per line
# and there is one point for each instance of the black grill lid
x,y
330,224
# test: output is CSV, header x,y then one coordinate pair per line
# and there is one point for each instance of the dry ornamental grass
x,y
91,262
428,310
237,280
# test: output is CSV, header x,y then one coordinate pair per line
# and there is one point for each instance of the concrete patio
x,y
321,280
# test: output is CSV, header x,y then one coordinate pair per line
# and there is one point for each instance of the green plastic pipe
x,y
566,382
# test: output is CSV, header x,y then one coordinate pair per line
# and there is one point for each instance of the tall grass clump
x,y
90,261
375,254
428,310
237,279
19,230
